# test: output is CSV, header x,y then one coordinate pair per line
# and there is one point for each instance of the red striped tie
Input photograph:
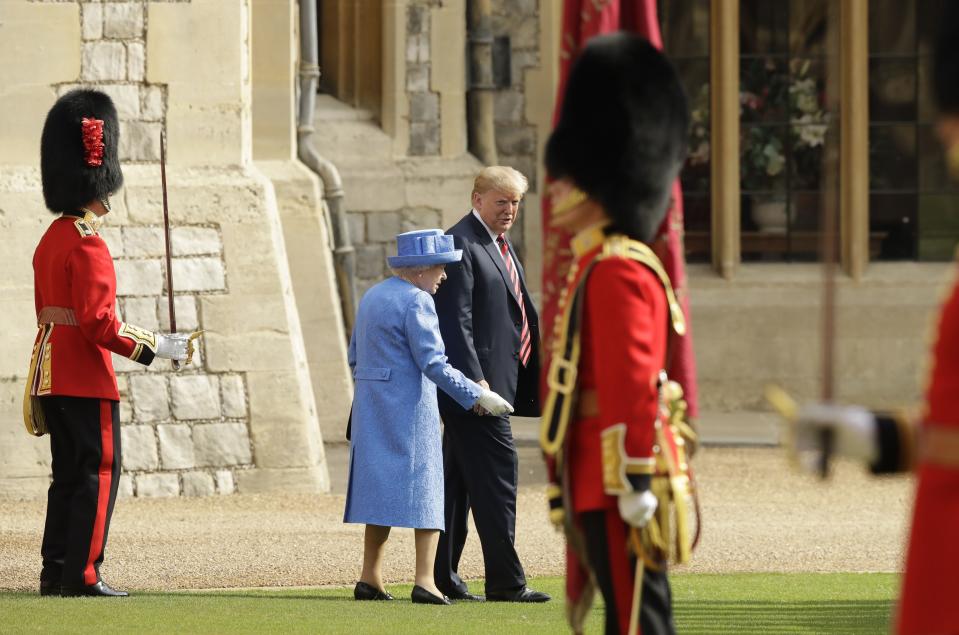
x,y
525,340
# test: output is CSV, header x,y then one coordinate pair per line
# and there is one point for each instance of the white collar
x,y
489,231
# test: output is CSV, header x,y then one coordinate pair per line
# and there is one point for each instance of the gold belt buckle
x,y
552,378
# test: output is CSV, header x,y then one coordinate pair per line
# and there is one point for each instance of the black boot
x,y
49,587
100,589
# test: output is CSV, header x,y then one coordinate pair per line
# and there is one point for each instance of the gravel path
x,y
759,516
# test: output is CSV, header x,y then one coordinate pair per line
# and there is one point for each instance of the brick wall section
x,y
187,432
424,111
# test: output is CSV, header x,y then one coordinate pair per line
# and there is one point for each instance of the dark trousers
x,y
481,473
614,567
85,445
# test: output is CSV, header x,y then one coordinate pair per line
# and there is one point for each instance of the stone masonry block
x,y
123,20
158,485
508,105
141,312
176,447
144,242
222,444
513,8
417,20
417,78
152,108
198,484
198,274
126,410
139,448
424,138
233,396
196,241
113,237
125,486
357,225
224,482
185,307
418,48
195,397
150,399
126,97
139,141
92,16
525,34
136,62
138,277
516,139
383,227
103,61
124,365
424,107
420,219
370,261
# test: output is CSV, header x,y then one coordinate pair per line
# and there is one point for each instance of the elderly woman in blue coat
x,y
396,456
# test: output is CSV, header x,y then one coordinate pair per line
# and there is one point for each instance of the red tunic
x,y
931,583
623,338
74,276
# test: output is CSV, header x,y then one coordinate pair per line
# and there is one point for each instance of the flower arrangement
x,y
783,116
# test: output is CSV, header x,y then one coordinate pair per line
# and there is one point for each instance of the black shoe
x,y
422,596
465,596
49,588
100,589
364,591
522,594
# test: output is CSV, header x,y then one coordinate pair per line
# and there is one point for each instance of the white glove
x,y
493,403
173,346
637,508
854,429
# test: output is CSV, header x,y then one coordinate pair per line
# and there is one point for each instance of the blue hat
x,y
424,248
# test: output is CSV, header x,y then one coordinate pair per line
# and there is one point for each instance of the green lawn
x,y
706,604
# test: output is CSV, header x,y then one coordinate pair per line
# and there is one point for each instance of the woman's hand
x,y
493,403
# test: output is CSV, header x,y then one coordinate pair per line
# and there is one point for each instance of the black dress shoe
x,y
49,588
364,591
465,596
100,589
522,594
422,596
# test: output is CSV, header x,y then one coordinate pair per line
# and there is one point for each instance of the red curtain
x,y
582,19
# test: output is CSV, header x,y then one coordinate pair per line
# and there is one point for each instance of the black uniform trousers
x,y
613,566
481,470
85,445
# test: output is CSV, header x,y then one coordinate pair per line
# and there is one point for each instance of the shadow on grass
x,y
840,617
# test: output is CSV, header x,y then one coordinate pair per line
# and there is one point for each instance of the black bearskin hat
x,y
946,61
79,161
621,135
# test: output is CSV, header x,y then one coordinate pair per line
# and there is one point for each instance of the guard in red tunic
x,y
71,390
620,484
929,443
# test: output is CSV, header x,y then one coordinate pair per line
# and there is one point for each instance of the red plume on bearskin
x,y
79,158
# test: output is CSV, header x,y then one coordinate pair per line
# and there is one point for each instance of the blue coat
x,y
396,453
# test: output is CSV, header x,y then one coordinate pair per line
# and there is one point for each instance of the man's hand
x,y
477,409
637,508
493,403
176,346
854,428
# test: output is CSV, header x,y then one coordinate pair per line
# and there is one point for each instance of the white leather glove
x,y
493,403
854,429
173,346
637,508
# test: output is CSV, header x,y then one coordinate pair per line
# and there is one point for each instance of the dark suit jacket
x,y
480,321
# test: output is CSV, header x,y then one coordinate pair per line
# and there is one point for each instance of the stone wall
x,y
243,417
424,108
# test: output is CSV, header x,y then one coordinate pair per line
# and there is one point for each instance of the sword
x,y
166,236
637,582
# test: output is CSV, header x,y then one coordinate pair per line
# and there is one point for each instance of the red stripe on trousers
x,y
619,567
103,493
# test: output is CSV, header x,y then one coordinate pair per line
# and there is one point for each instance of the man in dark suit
x,y
491,331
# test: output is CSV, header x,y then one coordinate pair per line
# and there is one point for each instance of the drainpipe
x,y
482,137
344,256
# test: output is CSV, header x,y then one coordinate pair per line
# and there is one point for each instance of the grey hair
x,y
410,271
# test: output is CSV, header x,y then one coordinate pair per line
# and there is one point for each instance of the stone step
x,y
329,108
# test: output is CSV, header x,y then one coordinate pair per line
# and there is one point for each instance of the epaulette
x,y
84,228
